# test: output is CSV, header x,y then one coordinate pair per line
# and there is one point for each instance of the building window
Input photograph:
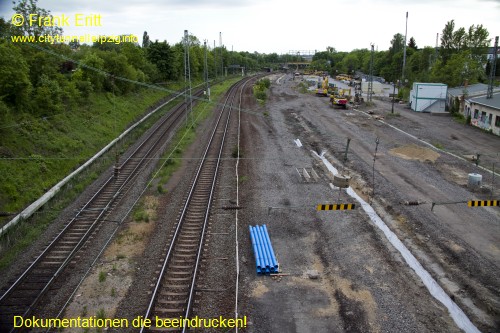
x,y
490,118
497,121
476,113
483,116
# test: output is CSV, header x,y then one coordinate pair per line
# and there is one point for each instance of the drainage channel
x,y
460,318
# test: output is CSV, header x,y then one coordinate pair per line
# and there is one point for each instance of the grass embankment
x,y
62,143
37,153
172,158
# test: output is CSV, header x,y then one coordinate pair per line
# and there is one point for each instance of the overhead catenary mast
x,y
404,52
493,66
187,75
221,58
205,67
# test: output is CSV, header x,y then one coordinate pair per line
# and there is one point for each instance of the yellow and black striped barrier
x,y
482,203
336,207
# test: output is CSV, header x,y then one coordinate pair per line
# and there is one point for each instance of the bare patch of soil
x,y
108,283
414,152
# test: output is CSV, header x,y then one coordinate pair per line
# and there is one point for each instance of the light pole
x,y
393,93
404,51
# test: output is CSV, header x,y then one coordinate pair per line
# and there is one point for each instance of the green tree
x,y
397,44
30,7
162,56
15,85
447,41
475,40
460,67
145,40
91,71
74,44
117,65
47,97
412,44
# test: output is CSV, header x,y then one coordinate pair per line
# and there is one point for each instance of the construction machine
x,y
322,87
340,97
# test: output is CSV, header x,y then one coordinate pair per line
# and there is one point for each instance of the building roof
x,y
471,89
491,102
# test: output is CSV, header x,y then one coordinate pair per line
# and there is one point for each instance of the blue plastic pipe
x,y
274,262
260,251
265,260
268,254
255,252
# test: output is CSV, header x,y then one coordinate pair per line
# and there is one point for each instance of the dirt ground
x,y
360,281
339,271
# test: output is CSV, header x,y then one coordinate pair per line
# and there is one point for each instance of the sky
x,y
279,26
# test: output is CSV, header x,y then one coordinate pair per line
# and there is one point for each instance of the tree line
x,y
47,78
461,56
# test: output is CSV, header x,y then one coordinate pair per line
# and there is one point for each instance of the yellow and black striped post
x,y
336,207
482,203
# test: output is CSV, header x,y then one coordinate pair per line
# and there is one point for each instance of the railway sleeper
x,y
191,226
74,233
185,251
177,302
163,329
184,256
191,237
67,243
50,263
167,312
187,278
55,256
186,245
71,237
171,286
180,266
171,293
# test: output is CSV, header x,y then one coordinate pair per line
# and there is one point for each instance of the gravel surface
x,y
340,273
363,283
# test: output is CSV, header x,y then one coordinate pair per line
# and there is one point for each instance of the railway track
x,y
173,293
20,298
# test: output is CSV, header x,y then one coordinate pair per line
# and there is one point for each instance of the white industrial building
x,y
484,112
457,96
428,97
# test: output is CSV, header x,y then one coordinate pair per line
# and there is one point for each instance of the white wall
x,y
424,95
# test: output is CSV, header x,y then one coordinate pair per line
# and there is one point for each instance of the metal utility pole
x,y
215,60
370,78
493,66
404,52
393,93
436,48
187,75
185,72
205,68
221,56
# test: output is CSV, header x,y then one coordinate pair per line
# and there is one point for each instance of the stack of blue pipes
x,y
265,260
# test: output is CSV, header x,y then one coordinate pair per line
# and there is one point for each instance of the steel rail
x,y
131,160
196,178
